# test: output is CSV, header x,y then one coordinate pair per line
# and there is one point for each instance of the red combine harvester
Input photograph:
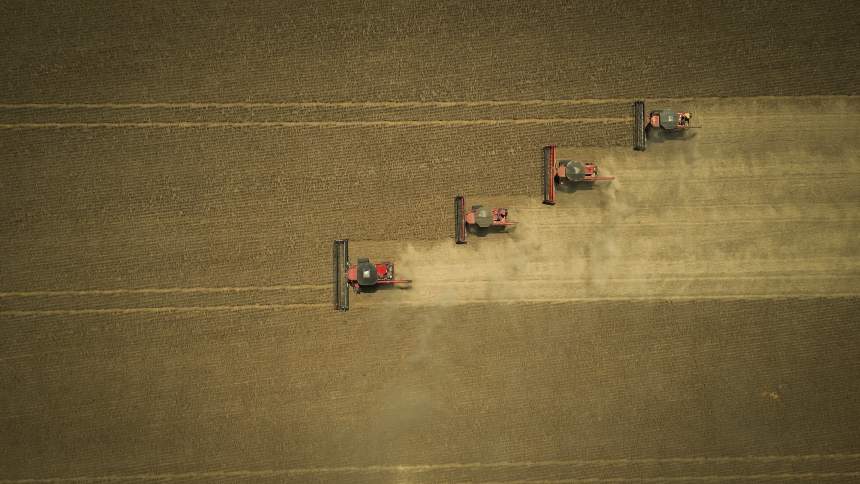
x,y
565,172
363,275
480,218
665,120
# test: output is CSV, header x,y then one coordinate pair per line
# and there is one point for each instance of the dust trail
x,y
759,217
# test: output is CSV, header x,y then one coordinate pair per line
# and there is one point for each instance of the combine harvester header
x,y
480,218
340,265
665,120
566,172
363,275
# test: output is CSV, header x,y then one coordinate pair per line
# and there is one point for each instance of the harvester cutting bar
x,y
639,125
549,172
340,283
459,220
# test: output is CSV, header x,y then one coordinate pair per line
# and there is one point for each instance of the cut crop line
x,y
316,124
721,205
381,104
728,221
632,180
162,309
708,478
553,280
417,468
161,290
724,297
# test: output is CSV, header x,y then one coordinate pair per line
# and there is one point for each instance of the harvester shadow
x,y
385,287
663,136
483,232
574,187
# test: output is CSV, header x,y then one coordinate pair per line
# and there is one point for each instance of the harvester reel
x,y
639,126
340,266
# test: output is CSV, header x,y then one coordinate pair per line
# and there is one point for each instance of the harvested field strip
x,y
659,277
317,124
807,476
775,206
711,222
715,179
470,301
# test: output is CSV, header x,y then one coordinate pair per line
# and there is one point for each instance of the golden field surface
x,y
172,178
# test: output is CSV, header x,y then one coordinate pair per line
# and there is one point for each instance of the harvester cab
x,y
665,120
566,172
365,272
481,218
363,275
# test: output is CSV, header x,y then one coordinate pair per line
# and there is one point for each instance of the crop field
x,y
172,178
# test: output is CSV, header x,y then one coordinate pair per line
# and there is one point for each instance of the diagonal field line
x,y
418,468
318,124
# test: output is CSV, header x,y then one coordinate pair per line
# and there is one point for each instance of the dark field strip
x,y
199,207
566,390
345,51
314,114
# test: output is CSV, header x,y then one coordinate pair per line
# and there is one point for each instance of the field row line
x,y
563,300
417,468
432,300
229,289
727,221
543,280
750,178
791,476
161,290
378,104
643,208
316,124
161,309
